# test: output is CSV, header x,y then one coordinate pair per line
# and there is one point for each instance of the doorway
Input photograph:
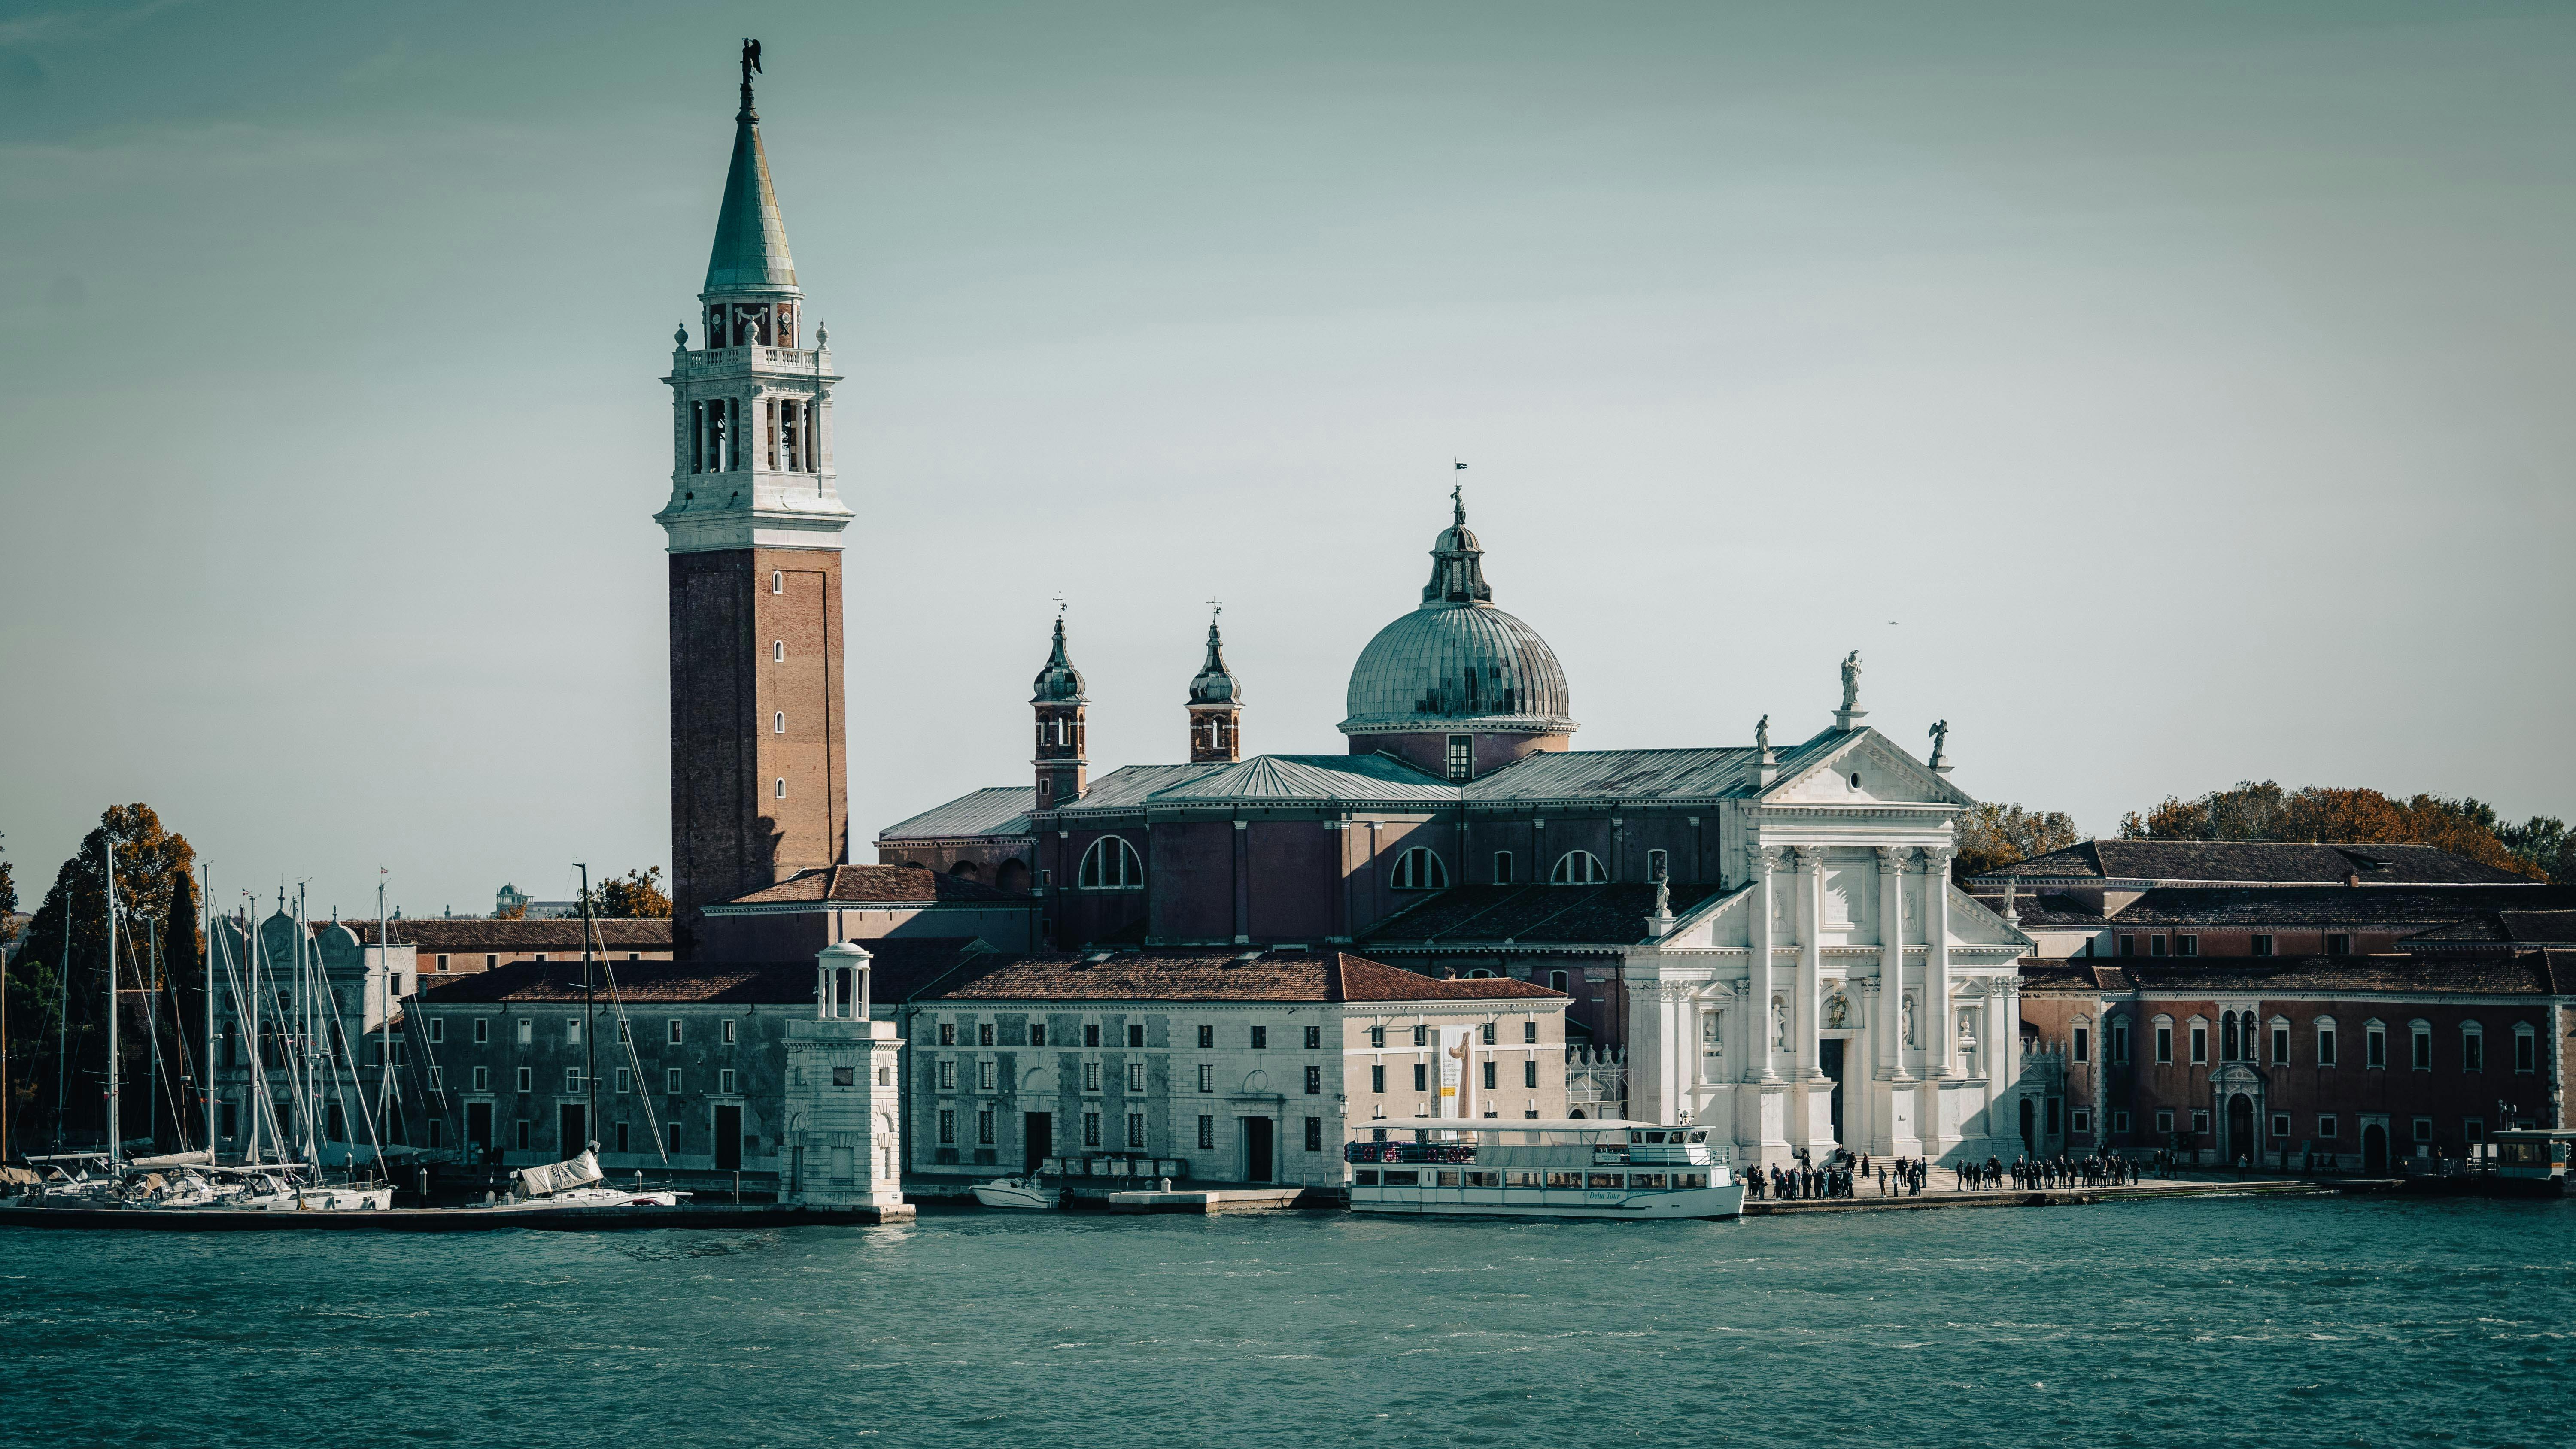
x,y
1256,1149
569,1129
2240,1128
2029,1141
478,1129
1037,1141
1829,1060
2374,1150
729,1139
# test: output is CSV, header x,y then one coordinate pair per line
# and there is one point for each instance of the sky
x,y
2163,395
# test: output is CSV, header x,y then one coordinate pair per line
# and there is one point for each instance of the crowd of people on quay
x,y
1845,1174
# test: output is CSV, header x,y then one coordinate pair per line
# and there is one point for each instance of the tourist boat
x,y
1017,1192
1576,1168
2533,1159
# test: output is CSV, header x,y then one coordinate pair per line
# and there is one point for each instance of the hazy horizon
x,y
2163,397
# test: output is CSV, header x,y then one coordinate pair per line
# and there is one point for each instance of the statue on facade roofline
x,y
1762,735
1851,680
1940,740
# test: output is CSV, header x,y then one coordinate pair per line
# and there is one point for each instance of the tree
x,y
1994,836
2264,811
2544,844
637,896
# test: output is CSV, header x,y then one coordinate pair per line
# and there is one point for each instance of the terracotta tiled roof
x,y
902,965
2263,861
1269,975
469,934
2296,905
2532,928
853,885
2526,973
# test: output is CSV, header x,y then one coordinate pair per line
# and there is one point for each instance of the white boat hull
x,y
1532,1202
993,1195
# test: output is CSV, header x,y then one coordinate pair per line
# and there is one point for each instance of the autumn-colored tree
x,y
2264,811
1993,836
636,896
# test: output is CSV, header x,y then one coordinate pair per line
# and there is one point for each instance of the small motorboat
x,y
1017,1192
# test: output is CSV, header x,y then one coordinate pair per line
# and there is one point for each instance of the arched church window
x,y
1419,869
1111,864
1578,867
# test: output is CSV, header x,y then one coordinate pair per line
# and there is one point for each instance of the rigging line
x,y
626,1034
340,1029
152,1024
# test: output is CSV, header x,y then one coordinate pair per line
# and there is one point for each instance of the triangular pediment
x,y
1885,774
1973,924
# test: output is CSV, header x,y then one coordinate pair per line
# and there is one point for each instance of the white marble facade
x,y
1840,955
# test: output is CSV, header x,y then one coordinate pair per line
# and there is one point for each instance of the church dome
x,y
1457,662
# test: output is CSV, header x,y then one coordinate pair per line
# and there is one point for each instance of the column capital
x,y
1809,856
1936,857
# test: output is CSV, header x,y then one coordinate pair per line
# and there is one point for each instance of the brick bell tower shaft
x,y
759,784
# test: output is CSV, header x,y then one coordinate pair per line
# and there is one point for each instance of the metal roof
x,y
1621,775
1445,664
1313,777
993,810
1129,786
751,239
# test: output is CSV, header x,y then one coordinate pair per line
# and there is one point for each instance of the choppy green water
x,y
2313,1321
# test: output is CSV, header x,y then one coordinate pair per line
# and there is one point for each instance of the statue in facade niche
x,y
1779,1024
1837,1011
1851,680
1908,1014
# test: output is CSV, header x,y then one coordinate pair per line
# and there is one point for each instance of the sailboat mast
x,y
115,1066
152,1024
206,1069
385,1024
589,1021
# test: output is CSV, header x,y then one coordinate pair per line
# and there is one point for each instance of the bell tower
x,y
759,786
1063,774
1216,704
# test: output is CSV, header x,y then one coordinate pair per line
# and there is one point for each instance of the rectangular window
x,y
1207,1077
1377,1079
725,1031
625,1081
1314,1038
2056,1115
437,1031
985,1072
1135,1035
1502,867
1529,1031
2280,1046
1314,1134
983,1033
1315,1081
1090,1129
2262,944
2199,1043
2128,945
947,1127
1421,1077
2280,1125
1037,1033
2338,944
948,1033
2525,1048
2119,1122
1135,1076
1489,1075
2155,945
673,1027
2164,1123
1529,1072
437,1078
1422,1036
2120,1043
527,1031
1135,1131
1486,1036
1260,1037
2473,1130
520,1136
2374,1043
671,1134
482,1031
984,1127
621,1135
2326,1125
2200,1121
724,1082
2186,945
2081,1120
625,1029
1207,1038
2164,1046
1091,1076
947,1078
572,1031
524,1075
671,1082
2325,1044
2423,1049
1377,1037
572,1079
1462,757
841,1076
2473,1052
1091,1033
482,1079
2083,1044
2423,1129
1207,1133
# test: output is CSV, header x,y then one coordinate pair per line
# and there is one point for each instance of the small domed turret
x,y
1063,773
1216,705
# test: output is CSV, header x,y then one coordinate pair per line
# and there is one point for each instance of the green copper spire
x,y
751,241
